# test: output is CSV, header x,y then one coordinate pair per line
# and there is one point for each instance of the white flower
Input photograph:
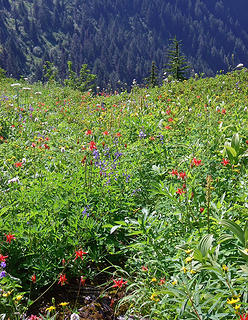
x,y
62,149
24,160
190,109
15,85
37,93
36,119
16,179
74,316
240,65
26,88
245,108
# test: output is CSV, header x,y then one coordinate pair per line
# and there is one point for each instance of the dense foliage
x,y
120,39
153,182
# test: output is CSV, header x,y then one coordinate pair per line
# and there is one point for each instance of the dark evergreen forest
x,y
120,39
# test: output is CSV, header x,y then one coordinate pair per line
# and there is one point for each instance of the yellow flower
x,y
224,267
192,271
50,308
188,251
63,304
246,250
174,282
188,259
237,307
153,280
7,294
232,301
184,269
153,297
18,298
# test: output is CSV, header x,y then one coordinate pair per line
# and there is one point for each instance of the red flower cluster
x,y
225,162
88,132
92,145
3,258
119,283
62,279
181,175
33,278
195,162
244,317
180,191
79,254
18,164
9,237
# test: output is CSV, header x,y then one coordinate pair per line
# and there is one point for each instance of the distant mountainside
x,y
120,39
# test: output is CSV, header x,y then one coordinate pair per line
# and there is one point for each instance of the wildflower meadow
x,y
141,196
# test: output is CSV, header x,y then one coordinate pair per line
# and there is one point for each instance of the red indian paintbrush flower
x,y
225,162
18,164
79,254
180,191
244,317
9,237
174,172
33,278
88,132
92,145
3,258
195,162
119,283
62,279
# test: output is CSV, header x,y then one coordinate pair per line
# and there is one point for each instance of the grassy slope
x,y
68,197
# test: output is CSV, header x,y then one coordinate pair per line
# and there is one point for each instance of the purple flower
x,y
3,264
2,274
142,135
86,211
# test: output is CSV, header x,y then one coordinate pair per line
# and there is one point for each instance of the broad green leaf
x,y
235,228
205,244
235,142
231,152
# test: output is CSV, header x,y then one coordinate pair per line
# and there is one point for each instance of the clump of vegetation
x,y
149,188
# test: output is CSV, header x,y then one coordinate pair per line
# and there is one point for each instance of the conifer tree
x,y
152,80
177,64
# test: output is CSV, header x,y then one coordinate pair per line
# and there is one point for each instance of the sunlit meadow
x,y
148,188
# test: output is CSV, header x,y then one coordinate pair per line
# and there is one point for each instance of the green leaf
x,y
235,142
231,152
235,228
114,228
205,244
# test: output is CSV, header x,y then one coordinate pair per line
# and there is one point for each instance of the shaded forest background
x,y
120,39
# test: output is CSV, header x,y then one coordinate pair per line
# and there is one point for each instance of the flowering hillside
x,y
147,190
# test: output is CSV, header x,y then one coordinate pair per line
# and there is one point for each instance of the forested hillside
x,y
119,39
